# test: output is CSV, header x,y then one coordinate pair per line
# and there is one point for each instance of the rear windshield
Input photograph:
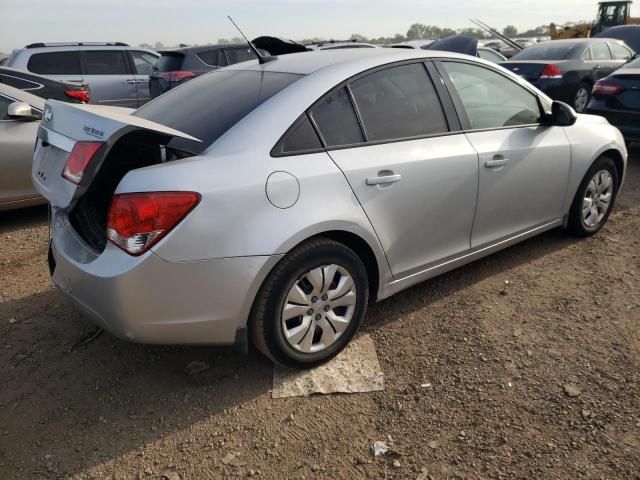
x,y
209,105
547,51
170,62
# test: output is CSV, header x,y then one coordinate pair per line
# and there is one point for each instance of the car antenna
x,y
262,59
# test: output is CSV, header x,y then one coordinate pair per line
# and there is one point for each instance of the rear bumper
x,y
556,88
149,300
628,122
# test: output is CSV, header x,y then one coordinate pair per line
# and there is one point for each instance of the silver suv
x,y
117,74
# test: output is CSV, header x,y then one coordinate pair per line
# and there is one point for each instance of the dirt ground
x,y
532,359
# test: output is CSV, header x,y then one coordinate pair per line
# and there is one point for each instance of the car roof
x,y
22,96
305,63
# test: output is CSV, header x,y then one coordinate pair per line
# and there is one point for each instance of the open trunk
x,y
120,142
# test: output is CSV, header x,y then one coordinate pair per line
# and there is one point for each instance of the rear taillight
x,y
137,221
79,160
603,89
177,76
82,95
551,71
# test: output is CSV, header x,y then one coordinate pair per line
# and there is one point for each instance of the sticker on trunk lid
x,y
94,132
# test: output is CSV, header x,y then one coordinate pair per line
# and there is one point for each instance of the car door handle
x,y
497,161
384,178
130,82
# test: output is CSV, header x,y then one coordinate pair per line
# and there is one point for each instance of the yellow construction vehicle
x,y
610,14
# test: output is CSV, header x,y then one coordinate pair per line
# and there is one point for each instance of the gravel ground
x,y
522,365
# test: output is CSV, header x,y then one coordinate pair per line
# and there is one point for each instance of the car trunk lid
x,y
63,126
530,70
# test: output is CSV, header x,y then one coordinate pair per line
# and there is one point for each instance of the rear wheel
x,y
311,305
581,97
595,198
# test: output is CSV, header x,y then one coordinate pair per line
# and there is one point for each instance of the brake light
x,y
137,221
602,88
79,160
551,71
82,95
177,76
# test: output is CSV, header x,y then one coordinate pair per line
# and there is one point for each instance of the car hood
x,y
457,44
278,46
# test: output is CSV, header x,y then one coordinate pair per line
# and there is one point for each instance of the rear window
x,y
547,51
170,62
55,63
20,83
209,105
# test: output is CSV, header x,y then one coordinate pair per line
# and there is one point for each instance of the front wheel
x,y
310,305
595,198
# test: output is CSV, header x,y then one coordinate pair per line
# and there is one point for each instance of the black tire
x,y
584,88
265,321
577,224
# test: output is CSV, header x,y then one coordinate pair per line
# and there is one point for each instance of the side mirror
x,y
562,115
21,111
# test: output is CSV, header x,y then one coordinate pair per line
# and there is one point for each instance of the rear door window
x,y
55,63
336,119
20,83
600,51
209,105
399,102
214,57
105,62
237,55
620,52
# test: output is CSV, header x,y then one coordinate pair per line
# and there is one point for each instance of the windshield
x,y
209,105
547,51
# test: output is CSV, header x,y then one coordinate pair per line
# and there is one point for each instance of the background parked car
x,y
45,87
336,45
414,44
617,97
466,45
116,73
179,65
567,69
20,114
629,34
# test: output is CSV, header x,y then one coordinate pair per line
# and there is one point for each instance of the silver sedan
x,y
20,114
271,202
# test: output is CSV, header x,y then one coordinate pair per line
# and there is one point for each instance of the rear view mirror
x,y
562,115
21,111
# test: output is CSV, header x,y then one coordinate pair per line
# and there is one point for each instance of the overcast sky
x,y
204,21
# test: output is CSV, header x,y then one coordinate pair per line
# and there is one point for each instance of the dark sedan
x,y
45,87
617,97
566,70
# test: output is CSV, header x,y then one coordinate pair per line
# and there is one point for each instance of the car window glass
x,y
399,102
547,51
4,108
55,63
300,137
209,105
19,83
336,119
600,51
619,52
237,55
143,62
489,55
214,57
105,62
170,61
490,99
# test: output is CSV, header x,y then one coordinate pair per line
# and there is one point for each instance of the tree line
x,y
415,32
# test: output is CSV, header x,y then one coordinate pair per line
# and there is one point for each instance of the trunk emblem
x,y
48,113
